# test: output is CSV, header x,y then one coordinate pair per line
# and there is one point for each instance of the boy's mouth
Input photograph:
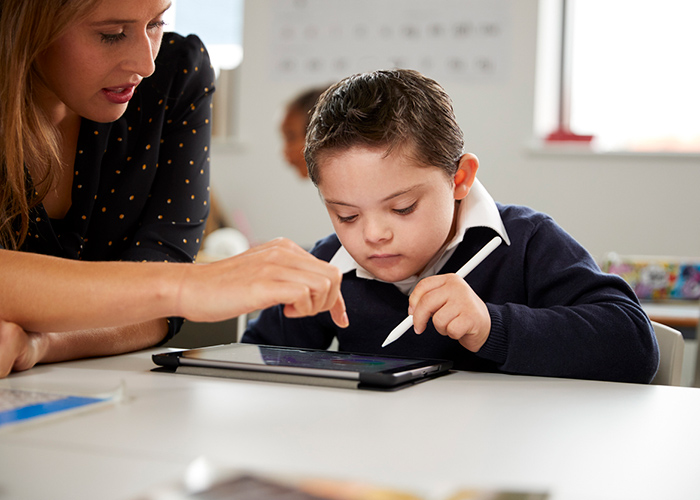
x,y
385,260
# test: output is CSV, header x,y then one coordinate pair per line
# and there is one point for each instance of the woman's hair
x,y
398,110
27,137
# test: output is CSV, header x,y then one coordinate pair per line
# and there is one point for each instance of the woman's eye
x,y
112,37
117,37
156,25
407,210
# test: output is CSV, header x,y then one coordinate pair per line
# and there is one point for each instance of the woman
x,y
104,139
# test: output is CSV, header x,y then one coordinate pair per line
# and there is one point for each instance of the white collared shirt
x,y
477,210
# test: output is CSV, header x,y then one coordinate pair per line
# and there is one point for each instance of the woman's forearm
x,y
47,294
61,346
21,350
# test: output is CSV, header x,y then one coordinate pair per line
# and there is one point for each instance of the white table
x,y
575,439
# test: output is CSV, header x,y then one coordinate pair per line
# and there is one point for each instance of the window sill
x,y
538,147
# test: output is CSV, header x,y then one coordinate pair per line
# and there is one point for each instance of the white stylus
x,y
462,273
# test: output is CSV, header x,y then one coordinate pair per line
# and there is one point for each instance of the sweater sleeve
x,y
576,321
271,327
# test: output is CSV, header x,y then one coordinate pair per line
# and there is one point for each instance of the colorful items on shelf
x,y
657,278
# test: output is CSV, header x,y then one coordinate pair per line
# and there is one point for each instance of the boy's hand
x,y
456,310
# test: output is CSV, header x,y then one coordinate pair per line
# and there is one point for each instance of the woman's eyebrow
x,y
109,22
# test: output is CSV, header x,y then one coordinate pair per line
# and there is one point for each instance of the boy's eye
x,y
347,219
407,210
112,37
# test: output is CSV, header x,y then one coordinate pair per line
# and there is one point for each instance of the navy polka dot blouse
x,y
141,184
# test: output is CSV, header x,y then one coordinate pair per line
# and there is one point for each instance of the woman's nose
x,y
141,59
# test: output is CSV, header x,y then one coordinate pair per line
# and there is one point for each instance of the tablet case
x,y
288,378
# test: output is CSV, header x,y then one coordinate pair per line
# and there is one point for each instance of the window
x,y
219,23
631,69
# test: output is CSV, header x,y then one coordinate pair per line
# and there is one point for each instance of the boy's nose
x,y
376,231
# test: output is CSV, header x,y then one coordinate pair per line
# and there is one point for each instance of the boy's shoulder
x,y
326,248
521,215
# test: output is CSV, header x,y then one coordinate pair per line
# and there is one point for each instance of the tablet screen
x,y
305,358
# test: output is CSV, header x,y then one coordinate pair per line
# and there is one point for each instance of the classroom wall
x,y
631,204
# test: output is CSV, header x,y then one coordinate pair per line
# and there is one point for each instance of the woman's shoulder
x,y
182,67
179,49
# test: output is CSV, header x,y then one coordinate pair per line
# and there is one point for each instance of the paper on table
x,y
18,406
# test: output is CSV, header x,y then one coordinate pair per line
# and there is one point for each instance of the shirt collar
x,y
477,210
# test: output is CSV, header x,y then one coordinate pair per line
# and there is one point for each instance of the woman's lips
x,y
119,95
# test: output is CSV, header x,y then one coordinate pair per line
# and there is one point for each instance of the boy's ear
x,y
464,178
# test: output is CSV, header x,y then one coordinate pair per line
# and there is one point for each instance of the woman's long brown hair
x,y
27,137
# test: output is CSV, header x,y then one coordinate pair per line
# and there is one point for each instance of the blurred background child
x,y
297,115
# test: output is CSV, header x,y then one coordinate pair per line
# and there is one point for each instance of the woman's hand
x,y
19,350
456,310
277,272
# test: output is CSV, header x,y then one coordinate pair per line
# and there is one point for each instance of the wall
x,y
642,204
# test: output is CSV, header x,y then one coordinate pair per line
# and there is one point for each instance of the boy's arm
x,y
272,327
575,322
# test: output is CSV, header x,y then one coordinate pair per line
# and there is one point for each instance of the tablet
x,y
304,366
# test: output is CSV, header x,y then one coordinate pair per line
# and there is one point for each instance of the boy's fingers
x,y
423,303
423,287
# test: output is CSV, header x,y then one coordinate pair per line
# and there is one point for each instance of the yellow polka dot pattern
x,y
140,189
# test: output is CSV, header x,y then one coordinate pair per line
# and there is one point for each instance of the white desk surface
x,y
574,439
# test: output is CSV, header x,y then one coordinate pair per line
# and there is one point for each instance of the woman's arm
x,y
21,350
42,293
68,309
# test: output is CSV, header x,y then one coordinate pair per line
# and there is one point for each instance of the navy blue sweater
x,y
553,312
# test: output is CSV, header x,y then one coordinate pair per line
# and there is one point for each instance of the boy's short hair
x,y
400,110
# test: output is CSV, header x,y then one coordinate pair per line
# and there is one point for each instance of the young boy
x,y
385,151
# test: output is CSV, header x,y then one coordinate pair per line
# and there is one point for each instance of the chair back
x,y
671,346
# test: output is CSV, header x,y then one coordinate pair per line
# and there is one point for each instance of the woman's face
x,y
94,68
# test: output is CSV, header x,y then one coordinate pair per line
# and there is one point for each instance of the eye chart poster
x,y
449,40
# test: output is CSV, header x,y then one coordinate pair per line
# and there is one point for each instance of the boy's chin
x,y
389,276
